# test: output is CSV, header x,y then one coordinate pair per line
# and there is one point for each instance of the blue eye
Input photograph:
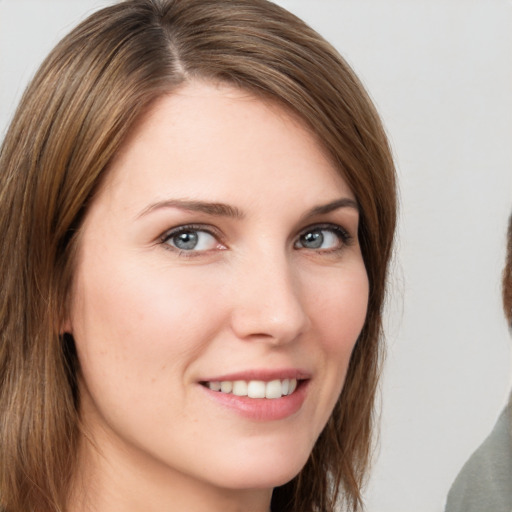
x,y
323,238
191,239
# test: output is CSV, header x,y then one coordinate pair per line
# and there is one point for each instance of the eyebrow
x,y
216,209
226,210
344,202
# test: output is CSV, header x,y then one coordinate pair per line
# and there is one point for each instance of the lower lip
x,y
262,409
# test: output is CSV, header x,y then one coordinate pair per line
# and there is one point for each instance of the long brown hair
x,y
69,125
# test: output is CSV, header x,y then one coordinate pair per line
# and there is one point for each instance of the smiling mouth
x,y
254,388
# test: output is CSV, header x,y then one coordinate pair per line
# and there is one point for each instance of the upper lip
x,y
265,374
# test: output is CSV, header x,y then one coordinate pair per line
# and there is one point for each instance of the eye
x,y
323,238
191,239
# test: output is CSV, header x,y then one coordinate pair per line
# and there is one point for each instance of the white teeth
x,y
285,386
274,389
240,388
215,386
226,386
255,388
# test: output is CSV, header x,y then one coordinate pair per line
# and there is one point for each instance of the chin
x,y
263,474
261,481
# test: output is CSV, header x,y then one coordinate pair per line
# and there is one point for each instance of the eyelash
x,y
168,235
342,234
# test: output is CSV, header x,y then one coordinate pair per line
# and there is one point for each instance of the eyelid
x,y
344,234
206,228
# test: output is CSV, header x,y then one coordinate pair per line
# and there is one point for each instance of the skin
x,y
151,321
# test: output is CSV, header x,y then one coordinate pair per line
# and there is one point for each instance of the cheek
x,y
138,334
134,324
129,298
338,306
340,311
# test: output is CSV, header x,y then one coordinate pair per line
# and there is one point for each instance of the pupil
x,y
313,240
186,241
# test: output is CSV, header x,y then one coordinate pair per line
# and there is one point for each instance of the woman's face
x,y
220,252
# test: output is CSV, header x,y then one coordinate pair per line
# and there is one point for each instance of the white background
x,y
440,72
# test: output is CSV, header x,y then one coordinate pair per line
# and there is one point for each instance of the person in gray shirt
x,y
485,481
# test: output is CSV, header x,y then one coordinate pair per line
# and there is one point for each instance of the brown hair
x,y
507,276
71,121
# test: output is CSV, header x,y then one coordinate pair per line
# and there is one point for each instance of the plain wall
x,y
440,73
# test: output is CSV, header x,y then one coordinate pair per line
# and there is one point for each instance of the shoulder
x,y
485,481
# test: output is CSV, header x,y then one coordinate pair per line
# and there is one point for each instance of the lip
x,y
262,374
261,409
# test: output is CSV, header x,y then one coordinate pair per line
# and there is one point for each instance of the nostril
x,y
271,326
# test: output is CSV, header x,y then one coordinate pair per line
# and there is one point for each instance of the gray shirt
x,y
484,483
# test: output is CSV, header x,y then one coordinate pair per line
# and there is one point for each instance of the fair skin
x,y
222,247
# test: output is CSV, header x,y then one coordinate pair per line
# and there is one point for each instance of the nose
x,y
269,304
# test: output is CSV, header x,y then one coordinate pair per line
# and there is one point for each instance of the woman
x,y
197,212
484,482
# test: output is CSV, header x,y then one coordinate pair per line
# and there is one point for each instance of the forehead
x,y
220,138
